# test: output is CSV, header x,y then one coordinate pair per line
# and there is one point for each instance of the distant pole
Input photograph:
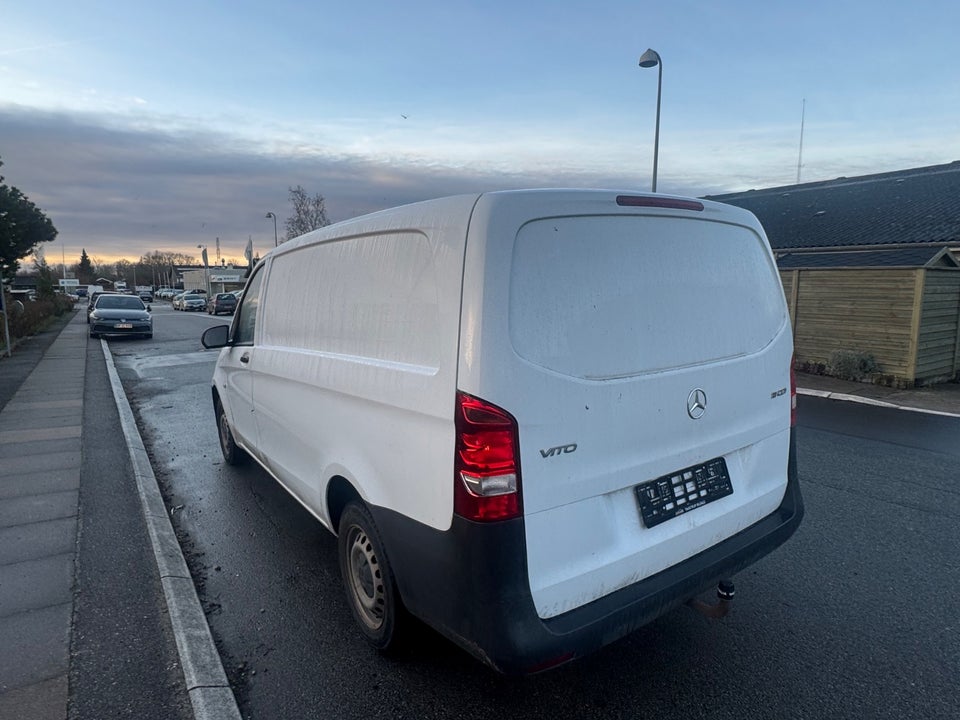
x,y
6,326
272,215
206,267
803,114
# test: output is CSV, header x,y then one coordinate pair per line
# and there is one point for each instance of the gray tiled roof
x,y
917,257
921,205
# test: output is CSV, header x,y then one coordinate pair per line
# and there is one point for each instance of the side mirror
x,y
216,337
149,309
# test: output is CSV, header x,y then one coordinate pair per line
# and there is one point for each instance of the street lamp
x,y
271,215
648,60
206,268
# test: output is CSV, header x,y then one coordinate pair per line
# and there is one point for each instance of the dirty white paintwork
x,y
589,322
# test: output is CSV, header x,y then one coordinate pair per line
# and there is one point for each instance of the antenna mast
x,y
803,114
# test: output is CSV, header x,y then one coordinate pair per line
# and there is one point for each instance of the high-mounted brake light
x,y
486,468
658,202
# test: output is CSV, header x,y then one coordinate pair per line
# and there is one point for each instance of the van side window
x,y
247,312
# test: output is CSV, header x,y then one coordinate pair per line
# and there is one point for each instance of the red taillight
x,y
793,395
487,468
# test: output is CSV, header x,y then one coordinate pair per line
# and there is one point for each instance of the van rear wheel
x,y
368,579
232,454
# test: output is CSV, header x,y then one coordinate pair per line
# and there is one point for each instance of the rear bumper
x,y
470,583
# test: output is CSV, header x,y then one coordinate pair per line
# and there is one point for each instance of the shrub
x,y
35,315
852,365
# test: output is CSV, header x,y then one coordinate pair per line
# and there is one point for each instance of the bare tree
x,y
309,213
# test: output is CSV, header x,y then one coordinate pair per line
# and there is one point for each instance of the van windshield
x,y
607,297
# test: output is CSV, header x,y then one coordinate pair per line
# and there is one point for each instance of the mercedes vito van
x,y
534,419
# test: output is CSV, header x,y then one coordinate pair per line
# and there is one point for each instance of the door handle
x,y
245,358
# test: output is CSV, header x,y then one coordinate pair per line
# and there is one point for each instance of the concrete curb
x,y
871,401
206,681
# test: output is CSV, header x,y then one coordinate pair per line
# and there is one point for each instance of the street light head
x,y
649,59
270,215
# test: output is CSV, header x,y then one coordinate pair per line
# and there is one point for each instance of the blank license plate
x,y
682,491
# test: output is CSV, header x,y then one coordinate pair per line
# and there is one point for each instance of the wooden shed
x,y
899,305
866,266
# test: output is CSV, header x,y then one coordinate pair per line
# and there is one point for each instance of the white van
x,y
535,419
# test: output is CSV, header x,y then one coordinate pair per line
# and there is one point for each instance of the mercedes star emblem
x,y
696,403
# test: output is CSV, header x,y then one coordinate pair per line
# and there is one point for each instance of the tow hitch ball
x,y
725,592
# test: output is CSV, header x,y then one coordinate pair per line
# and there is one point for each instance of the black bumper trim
x,y
471,584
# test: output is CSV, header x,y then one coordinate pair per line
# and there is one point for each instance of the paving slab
x,y
46,699
48,417
37,435
38,508
38,539
36,646
39,483
36,584
26,464
12,451
17,406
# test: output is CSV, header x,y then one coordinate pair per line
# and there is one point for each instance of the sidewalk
x,y
941,399
40,459
98,614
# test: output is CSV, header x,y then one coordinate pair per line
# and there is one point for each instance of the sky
x,y
163,126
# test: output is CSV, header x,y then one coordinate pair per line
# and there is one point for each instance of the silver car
x,y
193,302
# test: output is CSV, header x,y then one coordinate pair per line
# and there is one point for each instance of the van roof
x,y
593,199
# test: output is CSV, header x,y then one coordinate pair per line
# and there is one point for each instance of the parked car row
x,y
113,313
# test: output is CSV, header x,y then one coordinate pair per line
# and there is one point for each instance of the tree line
x,y
25,228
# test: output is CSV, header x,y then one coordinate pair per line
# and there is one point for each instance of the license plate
x,y
682,491
123,326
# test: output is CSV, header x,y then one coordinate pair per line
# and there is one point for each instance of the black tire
x,y
368,579
232,453
94,336
149,336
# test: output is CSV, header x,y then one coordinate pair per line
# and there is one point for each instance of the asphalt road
x,y
856,616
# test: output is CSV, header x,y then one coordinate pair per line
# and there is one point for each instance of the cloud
x,y
125,185
125,191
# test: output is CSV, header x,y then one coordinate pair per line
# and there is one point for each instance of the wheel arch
x,y
340,492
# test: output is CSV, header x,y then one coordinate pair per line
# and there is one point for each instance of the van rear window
x,y
604,297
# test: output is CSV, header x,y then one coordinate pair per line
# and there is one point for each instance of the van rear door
x,y
645,352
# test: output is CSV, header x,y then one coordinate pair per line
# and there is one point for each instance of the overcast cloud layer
x,y
122,189
125,192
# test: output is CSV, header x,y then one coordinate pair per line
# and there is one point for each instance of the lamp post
x,y
648,60
271,215
206,268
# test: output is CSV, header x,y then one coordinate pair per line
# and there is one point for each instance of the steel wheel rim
x,y
224,432
365,577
